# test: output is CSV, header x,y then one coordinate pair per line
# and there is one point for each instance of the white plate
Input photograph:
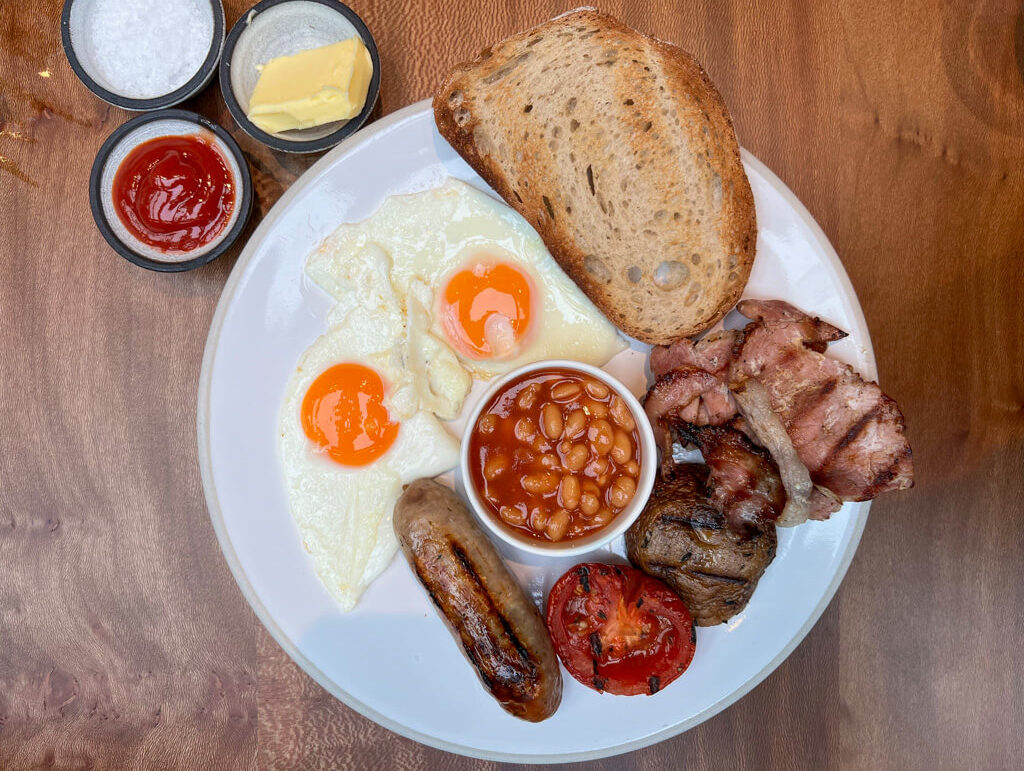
x,y
391,658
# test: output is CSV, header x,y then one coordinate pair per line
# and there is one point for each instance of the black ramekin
x,y
196,84
244,191
291,144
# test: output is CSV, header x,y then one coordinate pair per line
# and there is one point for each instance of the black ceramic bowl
x,y
134,133
76,29
275,28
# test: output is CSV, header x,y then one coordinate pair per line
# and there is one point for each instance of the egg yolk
x,y
486,310
343,412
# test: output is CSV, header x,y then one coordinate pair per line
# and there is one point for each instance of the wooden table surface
x,y
124,641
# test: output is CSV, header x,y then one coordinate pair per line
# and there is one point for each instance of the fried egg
x,y
357,423
432,287
476,273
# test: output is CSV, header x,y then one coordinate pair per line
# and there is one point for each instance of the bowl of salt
x,y
143,54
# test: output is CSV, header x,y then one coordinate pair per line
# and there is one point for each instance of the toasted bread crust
x,y
709,238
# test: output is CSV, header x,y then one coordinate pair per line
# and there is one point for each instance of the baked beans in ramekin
x,y
558,457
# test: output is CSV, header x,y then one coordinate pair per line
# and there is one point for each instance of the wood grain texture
x,y
124,642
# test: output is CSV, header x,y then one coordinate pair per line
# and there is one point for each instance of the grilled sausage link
x,y
500,629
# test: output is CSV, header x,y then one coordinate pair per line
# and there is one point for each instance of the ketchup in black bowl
x,y
170,191
175,193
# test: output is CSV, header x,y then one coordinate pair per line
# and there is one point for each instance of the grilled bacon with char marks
x,y
849,434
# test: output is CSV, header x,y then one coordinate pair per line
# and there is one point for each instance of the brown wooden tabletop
x,y
124,640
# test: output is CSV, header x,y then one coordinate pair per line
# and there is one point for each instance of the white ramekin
x,y
619,525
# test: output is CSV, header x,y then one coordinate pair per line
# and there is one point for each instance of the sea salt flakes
x,y
145,48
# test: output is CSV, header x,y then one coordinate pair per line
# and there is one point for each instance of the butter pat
x,y
312,87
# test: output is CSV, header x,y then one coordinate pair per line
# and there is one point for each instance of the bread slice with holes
x,y
619,150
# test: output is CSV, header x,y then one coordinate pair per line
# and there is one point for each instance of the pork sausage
x,y
500,629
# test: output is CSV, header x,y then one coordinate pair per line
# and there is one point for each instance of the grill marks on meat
x,y
849,434
743,482
681,538
708,531
501,659
478,598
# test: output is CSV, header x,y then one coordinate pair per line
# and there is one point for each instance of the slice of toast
x,y
619,150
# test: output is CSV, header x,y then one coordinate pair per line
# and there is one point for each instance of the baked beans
x,y
555,455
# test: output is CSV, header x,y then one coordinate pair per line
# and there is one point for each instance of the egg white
x,y
344,513
431,235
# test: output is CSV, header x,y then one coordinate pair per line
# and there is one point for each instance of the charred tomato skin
x,y
618,630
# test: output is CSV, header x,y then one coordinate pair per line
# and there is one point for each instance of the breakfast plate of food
x,y
537,421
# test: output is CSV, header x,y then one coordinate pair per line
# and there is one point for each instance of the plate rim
x,y
410,112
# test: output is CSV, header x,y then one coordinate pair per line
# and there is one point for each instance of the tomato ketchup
x,y
175,193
